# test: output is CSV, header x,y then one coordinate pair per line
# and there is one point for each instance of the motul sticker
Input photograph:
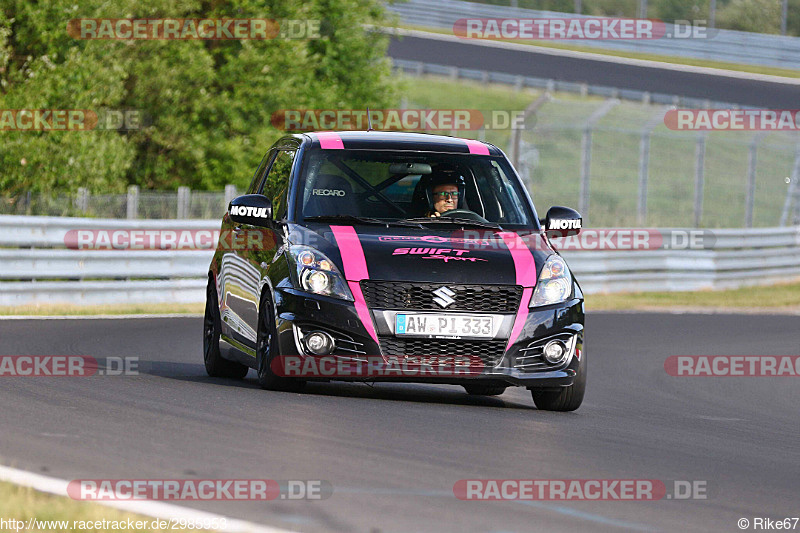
x,y
249,211
565,224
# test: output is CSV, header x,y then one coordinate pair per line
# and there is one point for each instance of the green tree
x,y
763,16
672,10
206,104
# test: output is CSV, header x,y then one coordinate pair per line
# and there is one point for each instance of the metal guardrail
x,y
37,267
725,45
418,68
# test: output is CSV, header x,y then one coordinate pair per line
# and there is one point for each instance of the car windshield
x,y
393,186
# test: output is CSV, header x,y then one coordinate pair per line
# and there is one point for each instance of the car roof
x,y
400,141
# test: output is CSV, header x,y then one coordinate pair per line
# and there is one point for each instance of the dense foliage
x,y
205,104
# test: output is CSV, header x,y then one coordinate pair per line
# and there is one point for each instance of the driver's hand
x,y
436,214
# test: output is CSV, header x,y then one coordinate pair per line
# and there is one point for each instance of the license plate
x,y
444,325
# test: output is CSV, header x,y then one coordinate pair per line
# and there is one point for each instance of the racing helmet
x,y
445,178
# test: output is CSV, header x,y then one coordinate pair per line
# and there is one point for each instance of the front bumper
x,y
300,312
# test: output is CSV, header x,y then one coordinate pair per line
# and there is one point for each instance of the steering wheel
x,y
465,214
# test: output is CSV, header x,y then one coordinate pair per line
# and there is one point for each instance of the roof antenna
x,y
369,120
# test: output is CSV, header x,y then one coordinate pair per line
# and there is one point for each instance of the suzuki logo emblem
x,y
444,296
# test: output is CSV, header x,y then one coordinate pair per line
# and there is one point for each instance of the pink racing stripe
x,y
477,147
522,316
362,310
355,265
329,140
526,276
523,258
355,269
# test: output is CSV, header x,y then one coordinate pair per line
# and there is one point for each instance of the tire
x,y
479,389
568,398
216,365
267,350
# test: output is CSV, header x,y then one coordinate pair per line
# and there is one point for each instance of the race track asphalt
x,y
534,62
393,452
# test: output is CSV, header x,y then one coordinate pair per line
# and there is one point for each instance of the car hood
x,y
433,255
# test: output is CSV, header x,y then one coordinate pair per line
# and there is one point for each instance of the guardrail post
x,y
82,201
586,165
750,194
699,178
230,194
784,14
793,191
644,163
712,14
184,199
516,132
133,202
586,154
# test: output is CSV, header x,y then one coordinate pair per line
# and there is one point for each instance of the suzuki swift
x,y
383,256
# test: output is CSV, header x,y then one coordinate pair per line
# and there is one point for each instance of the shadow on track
x,y
400,392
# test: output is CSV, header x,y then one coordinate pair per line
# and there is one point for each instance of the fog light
x,y
555,352
319,343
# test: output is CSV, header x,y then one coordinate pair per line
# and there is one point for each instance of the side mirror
x,y
562,222
252,209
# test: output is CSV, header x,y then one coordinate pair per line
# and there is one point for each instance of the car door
x,y
237,278
261,243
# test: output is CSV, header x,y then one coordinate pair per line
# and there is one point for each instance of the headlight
x,y
317,274
555,283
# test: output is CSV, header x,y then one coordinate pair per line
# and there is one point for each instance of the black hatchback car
x,y
383,256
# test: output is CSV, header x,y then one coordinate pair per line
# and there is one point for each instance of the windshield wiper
x,y
362,220
454,221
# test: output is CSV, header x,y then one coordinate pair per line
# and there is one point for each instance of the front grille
x,y
530,358
490,352
419,296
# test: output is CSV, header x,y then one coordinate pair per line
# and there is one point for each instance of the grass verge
x,y
117,309
24,503
782,297
551,157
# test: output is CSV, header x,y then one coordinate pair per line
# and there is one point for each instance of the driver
x,y
444,195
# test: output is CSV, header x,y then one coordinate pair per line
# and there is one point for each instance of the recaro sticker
x,y
328,192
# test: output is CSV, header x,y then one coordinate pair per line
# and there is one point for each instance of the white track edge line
x,y
160,510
